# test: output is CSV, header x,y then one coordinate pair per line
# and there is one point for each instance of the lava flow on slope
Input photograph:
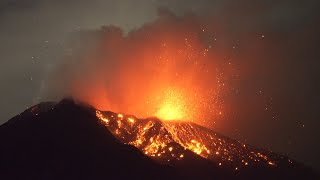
x,y
168,141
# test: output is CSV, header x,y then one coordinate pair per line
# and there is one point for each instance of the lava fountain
x,y
173,106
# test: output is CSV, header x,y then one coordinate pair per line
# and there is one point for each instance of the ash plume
x,y
169,61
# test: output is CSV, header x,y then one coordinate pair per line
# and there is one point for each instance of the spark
x,y
271,163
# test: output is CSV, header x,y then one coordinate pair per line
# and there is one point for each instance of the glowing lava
x,y
170,141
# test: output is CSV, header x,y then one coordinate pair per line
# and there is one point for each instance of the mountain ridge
x,y
66,140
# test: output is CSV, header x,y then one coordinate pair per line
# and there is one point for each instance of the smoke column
x,y
167,68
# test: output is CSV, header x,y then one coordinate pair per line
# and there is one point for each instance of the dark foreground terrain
x,y
67,141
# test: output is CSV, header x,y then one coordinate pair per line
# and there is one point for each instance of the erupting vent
x,y
168,142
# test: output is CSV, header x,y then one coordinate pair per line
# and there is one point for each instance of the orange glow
x,y
173,107
164,69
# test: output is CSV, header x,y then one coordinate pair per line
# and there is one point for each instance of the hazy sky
x,y
285,66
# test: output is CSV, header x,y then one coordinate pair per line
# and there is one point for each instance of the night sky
x,y
274,45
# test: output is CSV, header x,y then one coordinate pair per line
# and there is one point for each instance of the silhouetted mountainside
x,y
66,140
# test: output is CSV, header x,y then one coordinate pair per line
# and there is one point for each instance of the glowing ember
x,y
101,117
271,163
131,120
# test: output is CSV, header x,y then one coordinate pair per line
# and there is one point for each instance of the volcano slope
x,y
67,140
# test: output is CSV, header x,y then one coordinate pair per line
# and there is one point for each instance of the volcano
x,y
69,140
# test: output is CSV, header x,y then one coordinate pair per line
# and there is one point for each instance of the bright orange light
x,y
173,107
131,120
